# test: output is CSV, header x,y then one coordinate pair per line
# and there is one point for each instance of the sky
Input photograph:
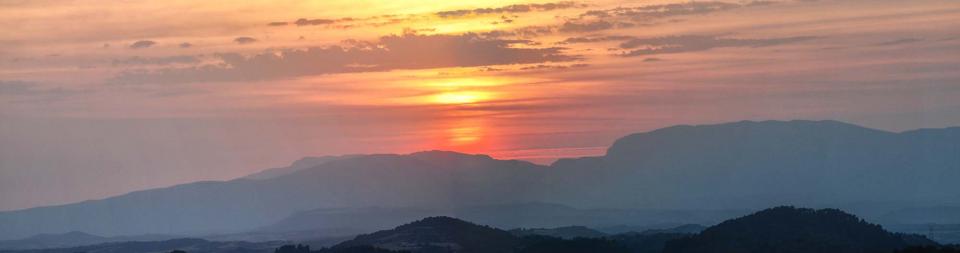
x,y
100,98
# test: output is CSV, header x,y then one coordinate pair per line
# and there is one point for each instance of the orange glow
x,y
461,97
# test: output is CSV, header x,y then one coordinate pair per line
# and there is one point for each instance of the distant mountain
x,y
186,244
684,229
302,164
569,232
733,166
438,234
927,215
72,239
752,164
352,221
426,179
789,229
780,229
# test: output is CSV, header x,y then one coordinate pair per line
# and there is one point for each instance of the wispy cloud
x,y
16,90
693,43
139,60
143,44
516,8
391,19
408,51
244,40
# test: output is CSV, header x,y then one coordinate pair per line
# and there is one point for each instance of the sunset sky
x,y
99,98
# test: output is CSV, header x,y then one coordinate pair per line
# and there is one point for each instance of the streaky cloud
x,y
516,8
142,44
408,51
694,43
244,40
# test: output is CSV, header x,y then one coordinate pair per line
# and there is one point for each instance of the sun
x,y
461,97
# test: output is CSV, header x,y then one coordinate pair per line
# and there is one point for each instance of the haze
x,y
99,98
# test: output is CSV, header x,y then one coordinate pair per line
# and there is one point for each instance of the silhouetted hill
x,y
352,221
645,243
438,234
547,244
789,229
741,165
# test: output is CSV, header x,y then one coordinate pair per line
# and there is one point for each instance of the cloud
x,y
693,43
585,26
591,39
554,67
516,8
624,17
142,44
137,60
185,45
642,13
408,51
303,22
244,40
899,42
23,90
391,19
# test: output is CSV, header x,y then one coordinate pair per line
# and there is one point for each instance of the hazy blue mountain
x,y
683,229
799,230
568,232
734,166
348,221
72,239
351,221
421,179
758,164
190,245
303,163
925,215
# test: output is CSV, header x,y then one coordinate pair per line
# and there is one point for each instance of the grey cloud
x,y
244,40
23,90
516,8
408,51
899,42
585,26
663,10
142,44
382,20
185,45
303,22
554,67
624,17
692,43
137,60
590,39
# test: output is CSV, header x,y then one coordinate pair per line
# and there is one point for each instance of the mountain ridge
x,y
718,166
